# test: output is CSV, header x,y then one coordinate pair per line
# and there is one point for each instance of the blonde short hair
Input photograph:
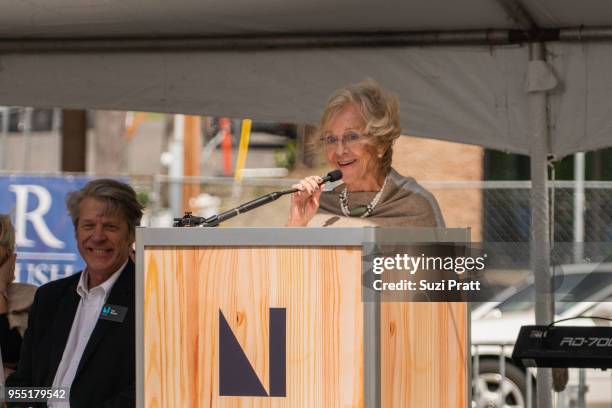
x,y
7,233
379,110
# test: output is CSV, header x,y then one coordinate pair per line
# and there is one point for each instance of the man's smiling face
x,y
103,238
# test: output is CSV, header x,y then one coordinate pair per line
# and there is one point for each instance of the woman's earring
x,y
380,155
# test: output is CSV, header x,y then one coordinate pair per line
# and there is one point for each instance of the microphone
x,y
331,176
189,220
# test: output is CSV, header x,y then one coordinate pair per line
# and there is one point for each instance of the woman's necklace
x,y
362,211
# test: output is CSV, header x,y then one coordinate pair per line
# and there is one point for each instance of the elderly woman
x,y
15,299
357,130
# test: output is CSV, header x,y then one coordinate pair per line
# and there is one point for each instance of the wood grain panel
x,y
318,288
423,359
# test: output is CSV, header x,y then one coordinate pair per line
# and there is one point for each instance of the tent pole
x,y
488,37
540,240
579,206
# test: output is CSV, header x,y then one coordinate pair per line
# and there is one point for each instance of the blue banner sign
x,y
46,245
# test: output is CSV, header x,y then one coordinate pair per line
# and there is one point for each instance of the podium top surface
x,y
197,236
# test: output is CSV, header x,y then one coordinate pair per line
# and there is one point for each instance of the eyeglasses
x,y
349,140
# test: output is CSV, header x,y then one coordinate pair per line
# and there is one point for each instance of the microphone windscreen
x,y
334,175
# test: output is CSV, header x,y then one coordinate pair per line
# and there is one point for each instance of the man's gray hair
x,y
118,197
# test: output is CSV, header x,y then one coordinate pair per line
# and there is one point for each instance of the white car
x,y
585,290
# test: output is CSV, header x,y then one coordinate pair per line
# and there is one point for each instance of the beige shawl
x,y
404,203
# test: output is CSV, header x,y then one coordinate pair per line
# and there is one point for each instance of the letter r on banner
x,y
22,216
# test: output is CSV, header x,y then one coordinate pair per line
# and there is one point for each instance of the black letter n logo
x,y
236,375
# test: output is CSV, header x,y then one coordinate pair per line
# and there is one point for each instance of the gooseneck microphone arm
x,y
189,220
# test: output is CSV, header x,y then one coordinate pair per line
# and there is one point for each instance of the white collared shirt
x,y
84,322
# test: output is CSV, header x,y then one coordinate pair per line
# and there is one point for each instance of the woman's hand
x,y
7,272
305,202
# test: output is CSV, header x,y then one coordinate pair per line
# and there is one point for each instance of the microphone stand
x,y
190,220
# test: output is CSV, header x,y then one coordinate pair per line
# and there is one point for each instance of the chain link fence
x,y
502,215
506,212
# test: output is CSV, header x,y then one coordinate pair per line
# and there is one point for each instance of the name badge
x,y
113,313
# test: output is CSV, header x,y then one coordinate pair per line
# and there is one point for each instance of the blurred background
x,y
206,165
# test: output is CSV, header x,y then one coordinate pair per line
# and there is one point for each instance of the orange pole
x,y
192,146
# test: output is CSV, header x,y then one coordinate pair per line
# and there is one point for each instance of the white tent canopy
x,y
470,93
482,83
128,18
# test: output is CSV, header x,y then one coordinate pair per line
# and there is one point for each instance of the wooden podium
x,y
270,317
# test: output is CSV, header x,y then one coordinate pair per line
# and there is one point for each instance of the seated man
x,y
81,328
